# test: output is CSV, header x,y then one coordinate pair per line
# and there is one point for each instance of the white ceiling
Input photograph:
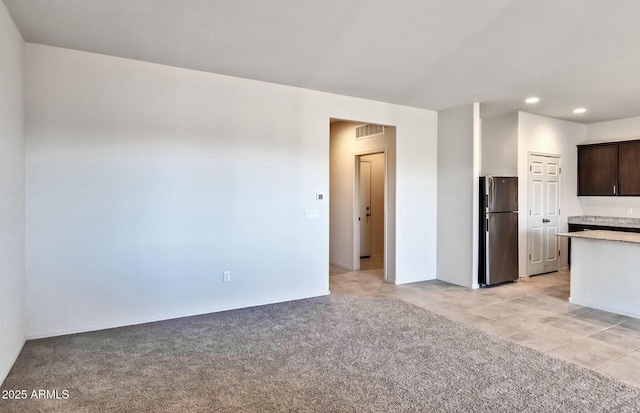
x,y
430,54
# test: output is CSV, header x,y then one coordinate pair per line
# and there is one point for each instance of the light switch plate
x,y
311,214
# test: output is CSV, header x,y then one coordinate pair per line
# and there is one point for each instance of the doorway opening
x,y
370,192
362,202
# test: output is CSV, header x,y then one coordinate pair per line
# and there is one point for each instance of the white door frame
x,y
529,200
356,208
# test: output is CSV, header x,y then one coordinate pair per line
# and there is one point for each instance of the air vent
x,y
367,131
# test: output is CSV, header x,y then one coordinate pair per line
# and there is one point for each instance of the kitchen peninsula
x,y
605,270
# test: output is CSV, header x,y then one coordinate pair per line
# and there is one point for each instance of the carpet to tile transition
x,y
325,354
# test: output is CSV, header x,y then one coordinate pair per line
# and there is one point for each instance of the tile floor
x,y
534,312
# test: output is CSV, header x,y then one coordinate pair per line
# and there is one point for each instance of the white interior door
x,y
365,208
544,211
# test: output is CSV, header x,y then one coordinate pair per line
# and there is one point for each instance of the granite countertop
x,y
605,221
632,237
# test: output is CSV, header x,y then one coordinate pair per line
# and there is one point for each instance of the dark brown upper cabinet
x,y
629,168
598,169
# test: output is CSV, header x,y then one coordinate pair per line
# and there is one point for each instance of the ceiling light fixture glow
x,y
579,110
532,100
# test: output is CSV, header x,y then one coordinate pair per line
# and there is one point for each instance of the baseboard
x,y
131,322
4,372
345,267
456,282
414,280
603,308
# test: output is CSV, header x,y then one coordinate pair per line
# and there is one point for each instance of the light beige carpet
x,y
327,354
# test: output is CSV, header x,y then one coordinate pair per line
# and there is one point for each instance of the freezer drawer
x,y
501,254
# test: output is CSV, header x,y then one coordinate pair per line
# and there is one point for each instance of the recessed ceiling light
x,y
579,110
532,100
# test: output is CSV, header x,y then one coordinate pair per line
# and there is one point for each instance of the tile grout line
x,y
617,358
576,339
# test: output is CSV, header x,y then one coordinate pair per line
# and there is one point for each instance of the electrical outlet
x,y
629,211
226,276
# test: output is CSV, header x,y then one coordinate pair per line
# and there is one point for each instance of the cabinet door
x,y
598,169
629,168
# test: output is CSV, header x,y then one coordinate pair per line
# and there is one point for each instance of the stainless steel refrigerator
x,y
498,257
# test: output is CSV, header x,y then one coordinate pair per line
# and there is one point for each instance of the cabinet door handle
x,y
614,189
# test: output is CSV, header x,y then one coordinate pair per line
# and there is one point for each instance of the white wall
x,y
416,193
145,182
12,319
458,173
614,206
543,135
499,145
344,149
